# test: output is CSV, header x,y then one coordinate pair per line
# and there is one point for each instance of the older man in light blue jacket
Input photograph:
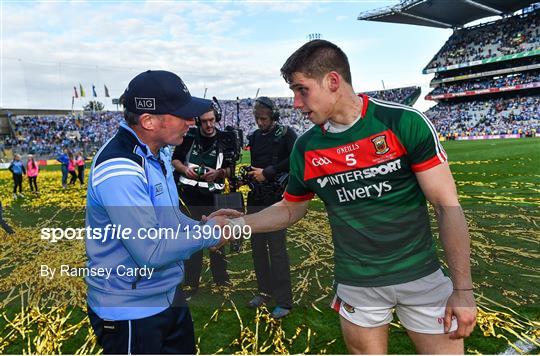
x,y
137,237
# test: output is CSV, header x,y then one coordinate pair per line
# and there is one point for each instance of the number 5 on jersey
x,y
351,161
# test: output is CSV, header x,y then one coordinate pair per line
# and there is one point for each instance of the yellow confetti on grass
x,y
38,314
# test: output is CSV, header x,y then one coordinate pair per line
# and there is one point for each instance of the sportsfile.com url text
x,y
118,232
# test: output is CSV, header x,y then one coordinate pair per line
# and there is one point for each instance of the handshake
x,y
232,226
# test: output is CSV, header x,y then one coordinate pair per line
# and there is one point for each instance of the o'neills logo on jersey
x,y
347,149
353,176
381,147
370,191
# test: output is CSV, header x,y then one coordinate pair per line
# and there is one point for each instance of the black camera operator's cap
x,y
161,92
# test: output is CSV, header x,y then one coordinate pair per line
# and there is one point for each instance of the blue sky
x,y
230,47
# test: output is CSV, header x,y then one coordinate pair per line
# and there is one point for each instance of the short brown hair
x,y
132,119
315,59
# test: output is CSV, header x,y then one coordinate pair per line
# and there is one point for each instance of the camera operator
x,y
270,148
201,170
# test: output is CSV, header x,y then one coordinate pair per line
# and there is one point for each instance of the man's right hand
x,y
221,221
228,213
257,174
221,218
462,306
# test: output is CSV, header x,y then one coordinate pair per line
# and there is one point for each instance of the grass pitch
x,y
498,186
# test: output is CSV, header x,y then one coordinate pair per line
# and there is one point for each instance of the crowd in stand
x,y
47,136
518,115
42,134
483,83
244,118
292,117
507,36
397,95
499,66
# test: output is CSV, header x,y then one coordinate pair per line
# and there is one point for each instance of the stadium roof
x,y
443,13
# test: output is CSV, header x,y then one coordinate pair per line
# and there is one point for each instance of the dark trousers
x,y
272,268
17,182
80,174
73,177
169,332
200,204
271,262
33,183
64,174
218,267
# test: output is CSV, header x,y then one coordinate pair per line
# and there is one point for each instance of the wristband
x,y
237,222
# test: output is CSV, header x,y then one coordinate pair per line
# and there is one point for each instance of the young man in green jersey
x,y
374,164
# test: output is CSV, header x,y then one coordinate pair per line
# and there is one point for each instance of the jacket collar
x,y
128,131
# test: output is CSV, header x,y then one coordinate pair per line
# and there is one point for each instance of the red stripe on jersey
x,y
365,102
430,163
364,153
298,198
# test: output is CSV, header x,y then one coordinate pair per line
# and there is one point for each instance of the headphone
x,y
268,103
216,108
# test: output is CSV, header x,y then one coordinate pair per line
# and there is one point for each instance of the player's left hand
x,y
460,304
211,174
257,173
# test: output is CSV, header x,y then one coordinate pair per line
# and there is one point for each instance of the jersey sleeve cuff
x,y
427,164
298,198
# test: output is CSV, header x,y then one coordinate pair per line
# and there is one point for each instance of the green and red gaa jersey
x,y
366,178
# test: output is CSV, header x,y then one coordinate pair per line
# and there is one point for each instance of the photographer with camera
x,y
270,148
200,170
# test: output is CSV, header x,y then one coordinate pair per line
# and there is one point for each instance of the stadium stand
x,y
486,76
517,115
443,13
405,95
487,79
46,135
507,36
483,83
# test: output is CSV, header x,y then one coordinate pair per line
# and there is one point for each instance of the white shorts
x,y
419,304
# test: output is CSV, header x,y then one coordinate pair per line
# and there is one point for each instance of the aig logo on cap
x,y
145,103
